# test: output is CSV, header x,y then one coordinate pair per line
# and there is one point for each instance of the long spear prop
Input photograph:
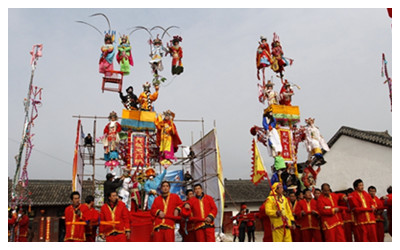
x,y
388,79
36,52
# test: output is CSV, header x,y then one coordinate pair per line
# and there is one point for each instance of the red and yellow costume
x,y
164,227
388,204
21,227
92,217
266,224
74,223
202,207
348,221
308,221
167,138
114,222
332,222
361,203
146,99
280,224
296,233
380,230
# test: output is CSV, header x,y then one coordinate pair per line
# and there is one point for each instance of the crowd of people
x,y
113,223
326,216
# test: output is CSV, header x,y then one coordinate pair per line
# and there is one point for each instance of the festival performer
x,y
315,143
167,137
363,207
124,191
278,61
203,206
265,222
114,220
151,185
286,94
75,219
124,56
348,217
111,141
157,52
20,223
387,202
186,227
274,141
270,94
377,203
242,218
295,231
136,200
107,55
164,207
146,98
331,219
307,212
130,100
92,219
279,212
176,52
263,57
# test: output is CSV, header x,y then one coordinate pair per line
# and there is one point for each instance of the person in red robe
x,y
308,218
92,219
114,220
348,217
361,204
331,219
75,217
176,52
377,203
387,203
20,221
186,227
203,208
164,208
296,233
266,223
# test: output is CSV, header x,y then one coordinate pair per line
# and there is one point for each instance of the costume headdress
x,y
113,115
309,120
176,39
150,172
124,37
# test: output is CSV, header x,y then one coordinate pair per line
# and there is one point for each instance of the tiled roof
x,y
237,191
381,138
52,192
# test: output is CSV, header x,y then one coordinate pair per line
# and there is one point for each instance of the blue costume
x,y
153,185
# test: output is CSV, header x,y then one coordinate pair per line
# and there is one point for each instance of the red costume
x,y
92,217
266,224
74,223
332,223
164,228
296,234
308,221
364,218
203,207
114,222
388,204
380,229
20,227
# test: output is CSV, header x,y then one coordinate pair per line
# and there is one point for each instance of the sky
x,y
337,56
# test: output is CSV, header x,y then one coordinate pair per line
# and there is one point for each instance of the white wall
x,y
350,159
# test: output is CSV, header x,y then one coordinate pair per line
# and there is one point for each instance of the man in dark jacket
x,y
111,185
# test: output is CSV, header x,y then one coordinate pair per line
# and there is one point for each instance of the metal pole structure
x,y
36,53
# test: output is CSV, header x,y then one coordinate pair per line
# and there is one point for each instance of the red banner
x,y
286,141
139,151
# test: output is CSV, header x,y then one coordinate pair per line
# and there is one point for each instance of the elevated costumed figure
x,y
107,54
263,57
130,100
278,61
176,52
124,56
111,141
274,141
167,137
315,143
146,98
